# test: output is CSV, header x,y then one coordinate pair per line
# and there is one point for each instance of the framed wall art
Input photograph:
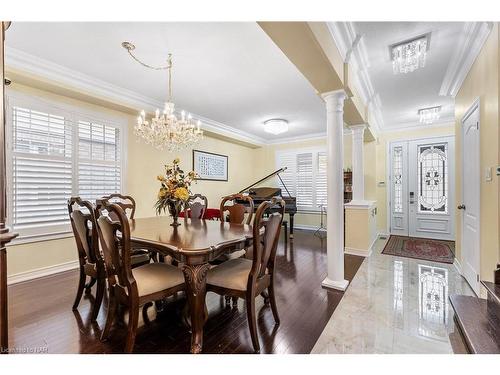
x,y
210,166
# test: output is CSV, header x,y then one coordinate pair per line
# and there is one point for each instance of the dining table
x,y
193,244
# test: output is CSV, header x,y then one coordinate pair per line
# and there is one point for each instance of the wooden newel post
x,y
5,235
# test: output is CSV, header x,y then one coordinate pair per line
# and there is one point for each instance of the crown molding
x,y
407,126
305,138
473,37
352,48
33,65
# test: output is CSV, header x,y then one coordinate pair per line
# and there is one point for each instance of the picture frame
x,y
210,166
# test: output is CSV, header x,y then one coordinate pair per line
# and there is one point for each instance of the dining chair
x,y
248,278
196,206
234,212
132,287
139,255
91,262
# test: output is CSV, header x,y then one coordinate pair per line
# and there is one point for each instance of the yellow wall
x,y
483,82
381,155
144,164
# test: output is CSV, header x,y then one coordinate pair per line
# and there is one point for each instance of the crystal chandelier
x,y
410,55
429,115
166,130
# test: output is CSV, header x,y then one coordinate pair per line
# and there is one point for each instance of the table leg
x,y
196,289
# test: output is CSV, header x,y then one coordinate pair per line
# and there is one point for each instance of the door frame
x,y
388,170
475,105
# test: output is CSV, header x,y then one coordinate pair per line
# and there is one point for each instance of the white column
x,y
358,177
335,193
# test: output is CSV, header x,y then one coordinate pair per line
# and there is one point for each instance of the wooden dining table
x,y
194,243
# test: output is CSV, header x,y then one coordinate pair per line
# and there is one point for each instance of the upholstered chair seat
x,y
155,277
232,274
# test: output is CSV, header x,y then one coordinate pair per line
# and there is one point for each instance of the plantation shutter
x,y
305,177
41,169
305,180
321,192
99,169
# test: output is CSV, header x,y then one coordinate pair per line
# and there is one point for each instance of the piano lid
x,y
264,192
277,172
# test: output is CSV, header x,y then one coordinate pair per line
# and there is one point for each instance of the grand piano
x,y
261,194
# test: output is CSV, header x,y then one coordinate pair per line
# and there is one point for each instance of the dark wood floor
x,y
41,315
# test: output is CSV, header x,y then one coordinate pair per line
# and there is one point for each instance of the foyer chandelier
x,y
429,115
409,55
166,130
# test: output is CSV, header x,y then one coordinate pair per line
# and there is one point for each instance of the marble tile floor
x,y
394,305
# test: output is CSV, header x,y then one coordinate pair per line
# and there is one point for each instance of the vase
x,y
175,208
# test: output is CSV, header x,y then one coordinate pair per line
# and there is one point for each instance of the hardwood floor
x,y
41,318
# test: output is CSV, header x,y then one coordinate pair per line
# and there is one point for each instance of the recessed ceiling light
x,y
276,126
429,115
409,55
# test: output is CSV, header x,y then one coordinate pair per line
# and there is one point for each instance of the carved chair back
x,y
235,212
114,236
126,202
266,232
196,206
81,214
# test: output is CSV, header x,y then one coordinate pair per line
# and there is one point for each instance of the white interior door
x,y
422,188
431,209
470,198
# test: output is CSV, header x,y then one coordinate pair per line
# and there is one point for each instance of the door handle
x,y
461,207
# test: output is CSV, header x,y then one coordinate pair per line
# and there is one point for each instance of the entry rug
x,y
421,248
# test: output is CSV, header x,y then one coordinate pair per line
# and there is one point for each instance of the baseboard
x,y
383,234
358,252
41,272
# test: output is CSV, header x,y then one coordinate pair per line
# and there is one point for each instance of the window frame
x,y
315,151
74,113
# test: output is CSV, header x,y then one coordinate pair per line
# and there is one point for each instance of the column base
x,y
335,284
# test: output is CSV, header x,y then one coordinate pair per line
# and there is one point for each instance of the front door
x,y
470,198
422,188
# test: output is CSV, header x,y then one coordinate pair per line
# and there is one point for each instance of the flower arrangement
x,y
174,190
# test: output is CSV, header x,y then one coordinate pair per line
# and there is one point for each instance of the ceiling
x,y
233,73
228,72
402,95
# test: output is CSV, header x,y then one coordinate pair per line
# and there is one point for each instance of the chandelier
x,y
166,130
429,115
410,55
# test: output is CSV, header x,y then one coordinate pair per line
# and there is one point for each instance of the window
x,y
397,165
305,177
55,153
433,178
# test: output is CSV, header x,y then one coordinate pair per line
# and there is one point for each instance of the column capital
x,y
339,95
358,128
358,131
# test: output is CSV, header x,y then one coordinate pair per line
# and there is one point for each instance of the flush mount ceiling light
x,y
409,55
429,115
276,126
